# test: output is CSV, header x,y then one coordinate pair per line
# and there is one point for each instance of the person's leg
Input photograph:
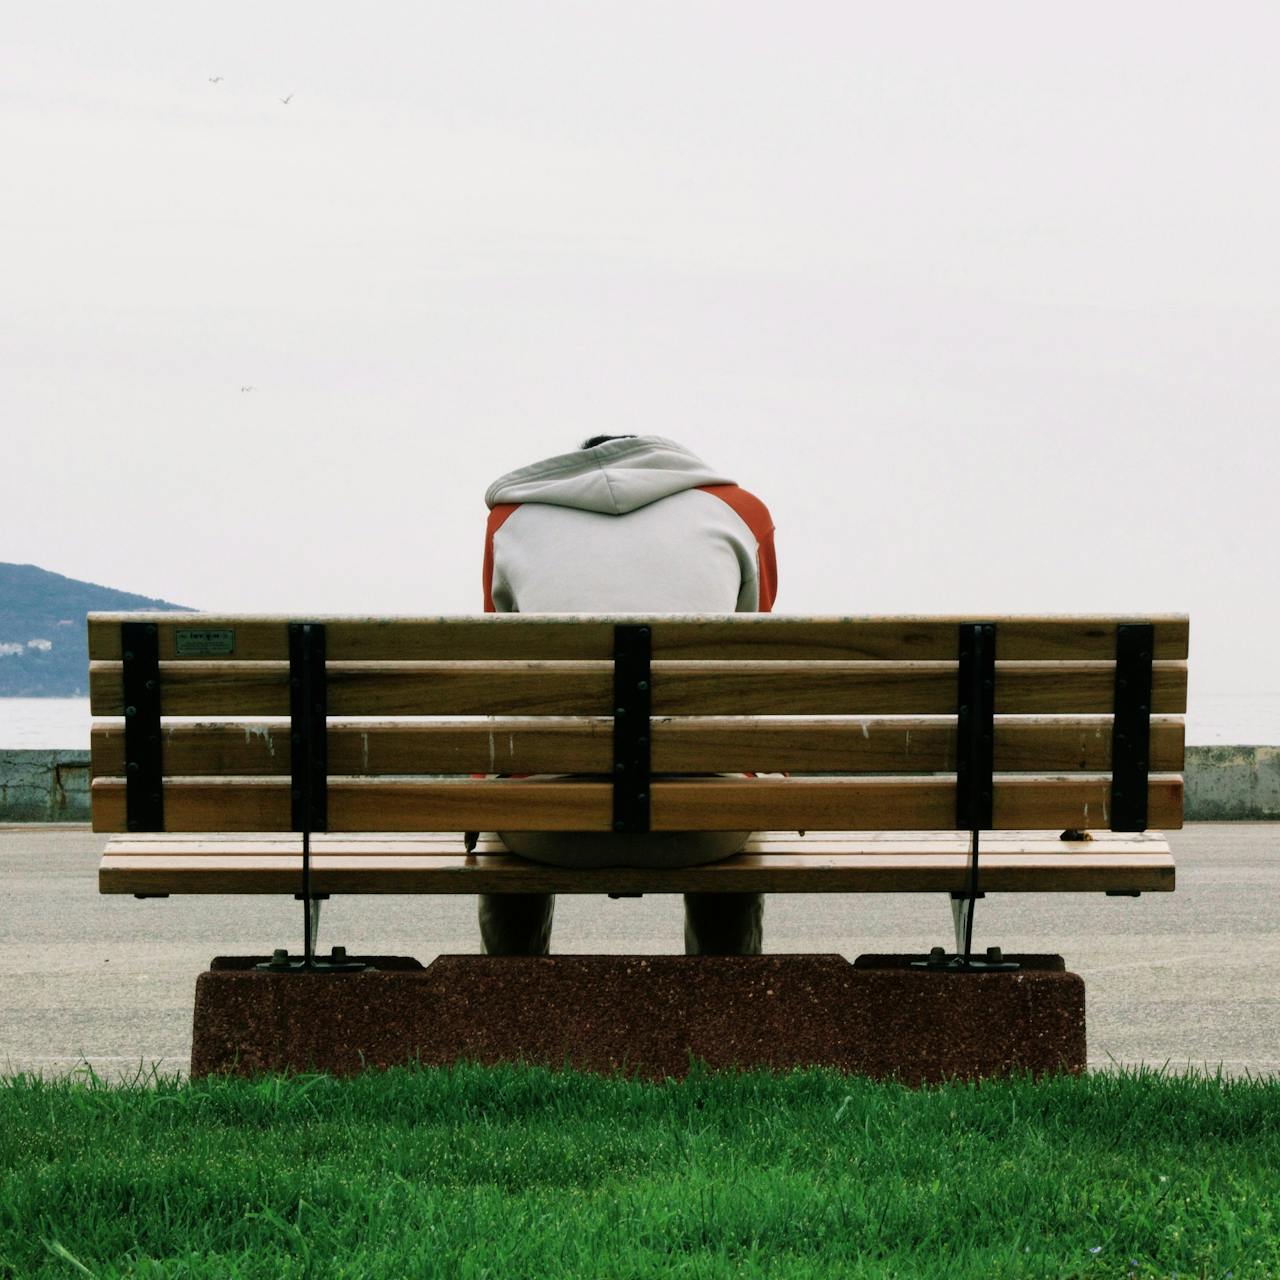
x,y
723,924
516,924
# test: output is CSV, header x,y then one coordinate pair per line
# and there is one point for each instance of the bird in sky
x,y
215,79
248,388
286,100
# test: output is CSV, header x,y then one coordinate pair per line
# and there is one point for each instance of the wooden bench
x,y
902,738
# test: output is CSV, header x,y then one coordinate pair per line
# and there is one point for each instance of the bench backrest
x,y
927,723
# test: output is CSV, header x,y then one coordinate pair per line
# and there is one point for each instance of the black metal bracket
x,y
335,962
1131,727
144,770
632,704
939,961
308,723
975,725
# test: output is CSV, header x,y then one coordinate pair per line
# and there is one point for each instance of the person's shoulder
x,y
745,504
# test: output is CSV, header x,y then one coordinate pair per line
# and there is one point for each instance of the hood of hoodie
x,y
614,478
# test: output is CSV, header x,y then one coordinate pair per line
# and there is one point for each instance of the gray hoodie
x,y
630,526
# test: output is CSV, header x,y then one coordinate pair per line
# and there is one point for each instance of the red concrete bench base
x,y
646,1016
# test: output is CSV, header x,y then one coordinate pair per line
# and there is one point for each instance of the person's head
x,y
595,440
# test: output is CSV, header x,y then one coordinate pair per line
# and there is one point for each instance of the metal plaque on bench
x,y
193,643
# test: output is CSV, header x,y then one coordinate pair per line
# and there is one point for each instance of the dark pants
x,y
719,924
715,924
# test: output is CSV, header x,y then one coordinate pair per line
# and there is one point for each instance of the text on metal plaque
x,y
191,643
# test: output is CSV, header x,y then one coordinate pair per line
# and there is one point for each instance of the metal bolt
x,y
642,741
279,956
152,685
339,953
619,711
642,685
619,825
936,953
131,711
644,631
641,797
128,655
151,628
619,767
132,766
995,955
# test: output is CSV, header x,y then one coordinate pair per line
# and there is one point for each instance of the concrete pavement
x,y
1184,978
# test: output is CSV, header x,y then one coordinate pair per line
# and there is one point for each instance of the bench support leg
x,y
308,723
962,905
961,915
282,962
313,924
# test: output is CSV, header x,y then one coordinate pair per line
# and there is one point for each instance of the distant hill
x,y
43,650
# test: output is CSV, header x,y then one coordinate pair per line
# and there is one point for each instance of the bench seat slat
x,y
708,804
679,688
394,844
508,637
724,745
815,872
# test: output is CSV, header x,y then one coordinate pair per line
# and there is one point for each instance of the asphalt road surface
x,y
1188,978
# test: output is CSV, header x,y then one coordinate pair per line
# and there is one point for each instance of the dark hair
x,y
595,440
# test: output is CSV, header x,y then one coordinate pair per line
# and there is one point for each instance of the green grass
x,y
512,1172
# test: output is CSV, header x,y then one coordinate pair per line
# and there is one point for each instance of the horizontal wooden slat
x,y
728,745
679,688
707,804
833,872
510,636
176,846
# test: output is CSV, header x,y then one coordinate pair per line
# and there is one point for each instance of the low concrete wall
x,y
1224,784
44,786
1230,784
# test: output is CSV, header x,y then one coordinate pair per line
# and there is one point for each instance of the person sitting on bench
x,y
626,524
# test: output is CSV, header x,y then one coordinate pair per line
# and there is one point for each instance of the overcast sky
x,y
981,298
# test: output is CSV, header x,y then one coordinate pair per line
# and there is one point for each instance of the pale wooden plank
x,y
711,745
679,688
503,637
745,873
707,804
175,848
